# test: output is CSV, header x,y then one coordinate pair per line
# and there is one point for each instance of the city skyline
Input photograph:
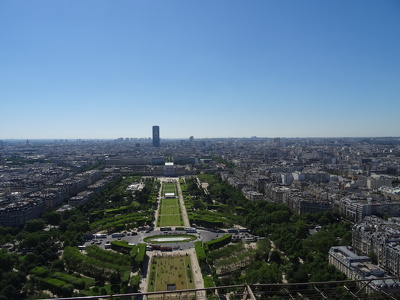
x,y
103,70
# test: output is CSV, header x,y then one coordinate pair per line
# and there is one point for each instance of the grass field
x,y
169,220
169,202
169,188
170,212
168,270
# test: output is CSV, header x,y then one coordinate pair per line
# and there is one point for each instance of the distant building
x,y
17,210
156,136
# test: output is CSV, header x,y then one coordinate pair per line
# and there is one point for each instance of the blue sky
x,y
234,68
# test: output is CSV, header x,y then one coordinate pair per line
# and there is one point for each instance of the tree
x,y
6,262
10,292
35,225
53,218
374,258
299,276
275,257
58,265
301,229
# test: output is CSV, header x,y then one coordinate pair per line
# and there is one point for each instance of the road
x,y
202,235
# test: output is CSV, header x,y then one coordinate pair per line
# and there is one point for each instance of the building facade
x,y
381,237
357,267
156,136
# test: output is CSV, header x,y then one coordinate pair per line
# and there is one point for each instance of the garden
x,y
170,213
170,273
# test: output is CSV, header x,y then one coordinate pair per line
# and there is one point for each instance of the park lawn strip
x,y
169,220
170,210
169,187
170,270
170,213
170,202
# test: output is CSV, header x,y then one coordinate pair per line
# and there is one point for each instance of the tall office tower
x,y
156,136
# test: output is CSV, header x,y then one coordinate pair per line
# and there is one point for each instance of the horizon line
x,y
183,138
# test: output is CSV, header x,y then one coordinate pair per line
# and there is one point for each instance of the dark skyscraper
x,y
156,136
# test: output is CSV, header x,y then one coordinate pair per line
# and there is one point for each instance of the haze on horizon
x,y
101,69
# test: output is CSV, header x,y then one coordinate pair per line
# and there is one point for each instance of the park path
x,y
156,212
185,217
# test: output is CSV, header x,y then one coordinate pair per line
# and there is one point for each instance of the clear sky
x,y
209,68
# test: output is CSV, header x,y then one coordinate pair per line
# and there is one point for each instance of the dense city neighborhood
x,y
352,183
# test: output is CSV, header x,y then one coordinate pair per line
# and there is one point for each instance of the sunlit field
x,y
170,270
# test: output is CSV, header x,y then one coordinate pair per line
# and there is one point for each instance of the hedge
x,y
56,286
102,255
78,283
218,243
40,271
201,256
135,281
141,254
200,253
208,282
125,278
90,266
122,247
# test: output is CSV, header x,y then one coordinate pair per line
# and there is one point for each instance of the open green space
x,y
170,270
169,187
170,212
154,238
170,220
169,202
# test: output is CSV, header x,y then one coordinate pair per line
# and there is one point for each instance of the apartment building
x,y
382,237
357,267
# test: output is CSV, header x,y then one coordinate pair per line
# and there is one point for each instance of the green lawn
x,y
169,188
169,202
169,220
169,213
170,210
170,270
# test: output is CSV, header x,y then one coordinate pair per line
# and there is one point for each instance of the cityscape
x,y
233,150
167,190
